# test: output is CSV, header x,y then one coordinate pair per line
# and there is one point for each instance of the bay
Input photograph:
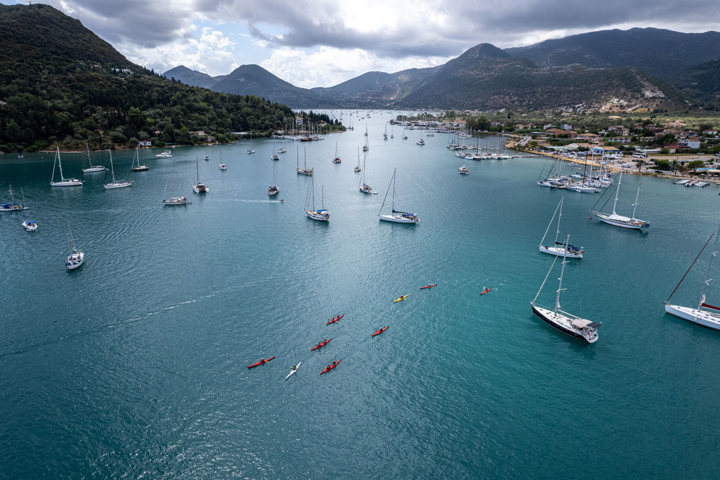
x,y
135,364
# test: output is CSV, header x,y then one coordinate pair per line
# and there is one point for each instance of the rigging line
x,y
543,284
688,270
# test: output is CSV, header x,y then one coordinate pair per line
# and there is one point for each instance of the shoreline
x,y
614,168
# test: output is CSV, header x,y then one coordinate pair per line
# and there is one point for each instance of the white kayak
x,y
294,369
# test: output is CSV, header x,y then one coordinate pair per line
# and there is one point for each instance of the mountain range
x,y
640,68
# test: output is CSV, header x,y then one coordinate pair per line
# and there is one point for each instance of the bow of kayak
x,y
260,362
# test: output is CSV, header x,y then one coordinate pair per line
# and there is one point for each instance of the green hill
x,y
60,83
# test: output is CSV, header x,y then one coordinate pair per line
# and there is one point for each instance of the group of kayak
x,y
335,319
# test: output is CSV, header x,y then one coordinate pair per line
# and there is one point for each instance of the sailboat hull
x,y
695,315
560,251
399,219
71,182
621,221
562,323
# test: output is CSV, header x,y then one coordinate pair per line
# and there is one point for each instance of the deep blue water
x,y
135,364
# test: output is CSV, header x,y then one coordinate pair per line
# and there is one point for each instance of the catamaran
x,y
560,320
703,314
396,216
621,220
558,248
64,182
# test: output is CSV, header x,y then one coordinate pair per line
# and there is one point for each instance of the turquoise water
x,y
135,364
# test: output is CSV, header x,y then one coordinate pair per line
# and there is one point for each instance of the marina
x,y
137,362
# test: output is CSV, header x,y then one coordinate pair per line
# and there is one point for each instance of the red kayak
x,y
485,291
380,331
321,344
429,286
331,366
335,319
264,360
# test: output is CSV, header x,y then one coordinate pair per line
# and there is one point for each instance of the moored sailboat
x,y
396,216
116,183
136,167
77,257
64,182
199,187
559,249
560,320
92,168
620,220
321,215
705,314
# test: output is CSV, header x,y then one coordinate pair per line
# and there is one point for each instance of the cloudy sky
x,y
312,43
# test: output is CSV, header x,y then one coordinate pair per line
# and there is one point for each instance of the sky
x,y
321,43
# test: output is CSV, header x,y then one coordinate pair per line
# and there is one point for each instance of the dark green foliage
x,y
60,81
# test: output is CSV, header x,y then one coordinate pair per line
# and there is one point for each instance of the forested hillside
x,y
60,83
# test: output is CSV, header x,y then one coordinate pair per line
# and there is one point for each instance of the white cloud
x,y
326,66
211,53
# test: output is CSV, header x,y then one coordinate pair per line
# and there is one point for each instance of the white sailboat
x,y
366,145
92,168
199,187
321,215
560,320
702,315
336,159
28,225
251,150
273,189
64,182
302,171
222,166
116,183
11,206
558,248
621,220
396,216
364,187
77,257
135,166
357,168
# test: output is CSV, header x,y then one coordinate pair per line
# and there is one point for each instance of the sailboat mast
x,y
617,192
557,232
562,272
393,197
637,196
62,178
112,168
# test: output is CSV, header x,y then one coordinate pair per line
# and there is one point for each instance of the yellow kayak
x,y
401,298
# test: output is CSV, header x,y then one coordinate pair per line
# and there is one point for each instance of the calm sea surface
x,y
134,365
